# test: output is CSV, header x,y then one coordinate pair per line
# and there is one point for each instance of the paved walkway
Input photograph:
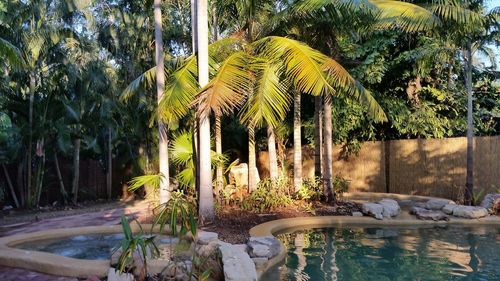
x,y
139,210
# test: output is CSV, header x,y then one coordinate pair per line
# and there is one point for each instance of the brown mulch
x,y
233,223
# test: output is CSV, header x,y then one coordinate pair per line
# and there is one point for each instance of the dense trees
x,y
124,80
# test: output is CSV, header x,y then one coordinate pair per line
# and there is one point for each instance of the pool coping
x,y
272,228
59,265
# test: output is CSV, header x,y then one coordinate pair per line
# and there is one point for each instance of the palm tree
x,y
160,87
206,204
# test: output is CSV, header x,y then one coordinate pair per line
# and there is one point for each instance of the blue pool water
x,y
379,254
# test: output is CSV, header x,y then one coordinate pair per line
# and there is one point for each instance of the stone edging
x,y
55,264
275,227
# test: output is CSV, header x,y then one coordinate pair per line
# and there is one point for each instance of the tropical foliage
x,y
78,83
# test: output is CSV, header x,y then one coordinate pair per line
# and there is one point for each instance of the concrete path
x,y
140,210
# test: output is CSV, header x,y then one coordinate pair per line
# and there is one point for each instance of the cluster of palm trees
x,y
64,62
258,76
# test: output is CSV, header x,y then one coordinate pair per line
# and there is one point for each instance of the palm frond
x,y
153,180
342,80
270,100
145,81
180,89
302,64
228,89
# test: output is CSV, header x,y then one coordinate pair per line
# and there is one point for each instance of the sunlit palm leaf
x,y
228,89
145,81
342,80
180,89
270,99
302,63
153,180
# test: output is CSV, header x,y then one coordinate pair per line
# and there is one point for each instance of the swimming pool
x,y
390,253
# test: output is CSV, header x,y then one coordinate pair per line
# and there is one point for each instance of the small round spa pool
x,y
396,253
87,247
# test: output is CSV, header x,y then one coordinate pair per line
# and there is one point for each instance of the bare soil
x,y
233,223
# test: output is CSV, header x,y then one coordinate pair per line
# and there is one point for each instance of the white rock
x,y
265,246
373,209
205,237
391,208
243,247
237,264
357,214
488,200
448,208
437,204
434,215
114,275
470,212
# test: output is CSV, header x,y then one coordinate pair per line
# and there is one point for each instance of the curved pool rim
x,y
275,227
55,264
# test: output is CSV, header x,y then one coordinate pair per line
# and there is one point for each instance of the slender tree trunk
x,y
328,143
469,183
62,189
206,210
297,144
318,141
160,86
273,157
76,166
11,187
196,125
30,138
252,167
109,174
39,181
219,184
20,180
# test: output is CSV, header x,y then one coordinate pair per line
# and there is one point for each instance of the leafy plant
x,y
269,195
476,197
311,189
340,185
134,244
179,210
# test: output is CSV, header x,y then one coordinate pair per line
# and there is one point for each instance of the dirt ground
x,y
234,223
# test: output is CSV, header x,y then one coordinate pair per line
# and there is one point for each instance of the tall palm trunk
x,y
219,180
206,205
252,166
273,157
318,142
469,182
109,174
297,144
328,143
160,86
76,165
30,138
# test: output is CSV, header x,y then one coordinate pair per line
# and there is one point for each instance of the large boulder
x,y
373,209
437,204
489,199
263,247
237,265
449,208
434,215
385,208
238,175
470,212
391,208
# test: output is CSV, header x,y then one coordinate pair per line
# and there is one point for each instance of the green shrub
x,y
340,185
269,195
311,190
